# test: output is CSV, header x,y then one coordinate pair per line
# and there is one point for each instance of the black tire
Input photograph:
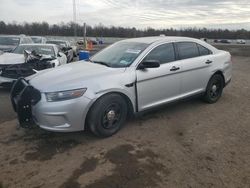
x,y
214,89
107,115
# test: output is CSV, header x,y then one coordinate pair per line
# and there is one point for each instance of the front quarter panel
x,y
123,83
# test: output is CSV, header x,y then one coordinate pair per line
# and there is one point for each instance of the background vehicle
x,y
204,39
65,47
80,45
93,40
37,39
9,42
44,49
241,41
15,65
225,41
127,77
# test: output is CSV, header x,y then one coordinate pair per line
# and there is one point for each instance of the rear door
x,y
195,61
156,86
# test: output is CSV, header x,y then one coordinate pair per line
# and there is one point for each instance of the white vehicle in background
x,y
9,42
28,59
38,39
240,41
65,48
44,49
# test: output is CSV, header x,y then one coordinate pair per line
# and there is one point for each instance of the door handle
x,y
174,68
209,62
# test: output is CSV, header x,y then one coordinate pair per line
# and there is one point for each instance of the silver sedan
x,y
126,78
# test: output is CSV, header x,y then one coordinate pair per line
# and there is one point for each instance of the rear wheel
x,y
107,115
214,89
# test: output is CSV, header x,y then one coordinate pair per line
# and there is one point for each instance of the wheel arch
x,y
219,72
131,109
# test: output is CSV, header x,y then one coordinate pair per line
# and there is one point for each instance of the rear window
x,y
187,50
36,39
25,40
203,51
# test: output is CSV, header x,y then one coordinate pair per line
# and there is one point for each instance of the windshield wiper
x,y
102,63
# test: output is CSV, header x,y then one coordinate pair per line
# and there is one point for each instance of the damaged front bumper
x,y
23,97
11,72
34,110
3,80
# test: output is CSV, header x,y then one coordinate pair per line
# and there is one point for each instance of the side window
x,y
164,53
203,51
30,40
56,51
187,50
24,41
21,41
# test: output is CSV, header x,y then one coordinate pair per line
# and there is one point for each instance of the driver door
x,y
156,86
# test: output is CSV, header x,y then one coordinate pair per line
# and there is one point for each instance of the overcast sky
x,y
133,13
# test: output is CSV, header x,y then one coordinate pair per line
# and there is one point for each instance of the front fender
x,y
128,93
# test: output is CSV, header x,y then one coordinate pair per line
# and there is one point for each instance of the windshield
x,y
43,50
12,41
36,39
121,54
60,43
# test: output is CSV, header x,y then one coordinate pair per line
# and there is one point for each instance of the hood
x,y
10,58
7,48
71,76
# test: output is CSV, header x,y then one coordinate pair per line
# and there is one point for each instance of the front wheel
x,y
214,89
107,115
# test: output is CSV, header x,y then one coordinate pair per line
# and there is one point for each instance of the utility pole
x,y
74,17
84,34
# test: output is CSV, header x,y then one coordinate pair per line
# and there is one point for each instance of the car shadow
x,y
42,145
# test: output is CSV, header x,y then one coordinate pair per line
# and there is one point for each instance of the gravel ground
x,y
187,144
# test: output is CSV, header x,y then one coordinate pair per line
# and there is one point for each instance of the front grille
x,y
24,69
16,72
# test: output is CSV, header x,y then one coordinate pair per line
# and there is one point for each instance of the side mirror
x,y
149,64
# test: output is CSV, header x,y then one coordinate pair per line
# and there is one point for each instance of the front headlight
x,y
65,95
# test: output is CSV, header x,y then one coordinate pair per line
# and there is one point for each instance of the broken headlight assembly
x,y
65,95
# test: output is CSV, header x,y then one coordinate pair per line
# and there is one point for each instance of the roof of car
x,y
150,40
